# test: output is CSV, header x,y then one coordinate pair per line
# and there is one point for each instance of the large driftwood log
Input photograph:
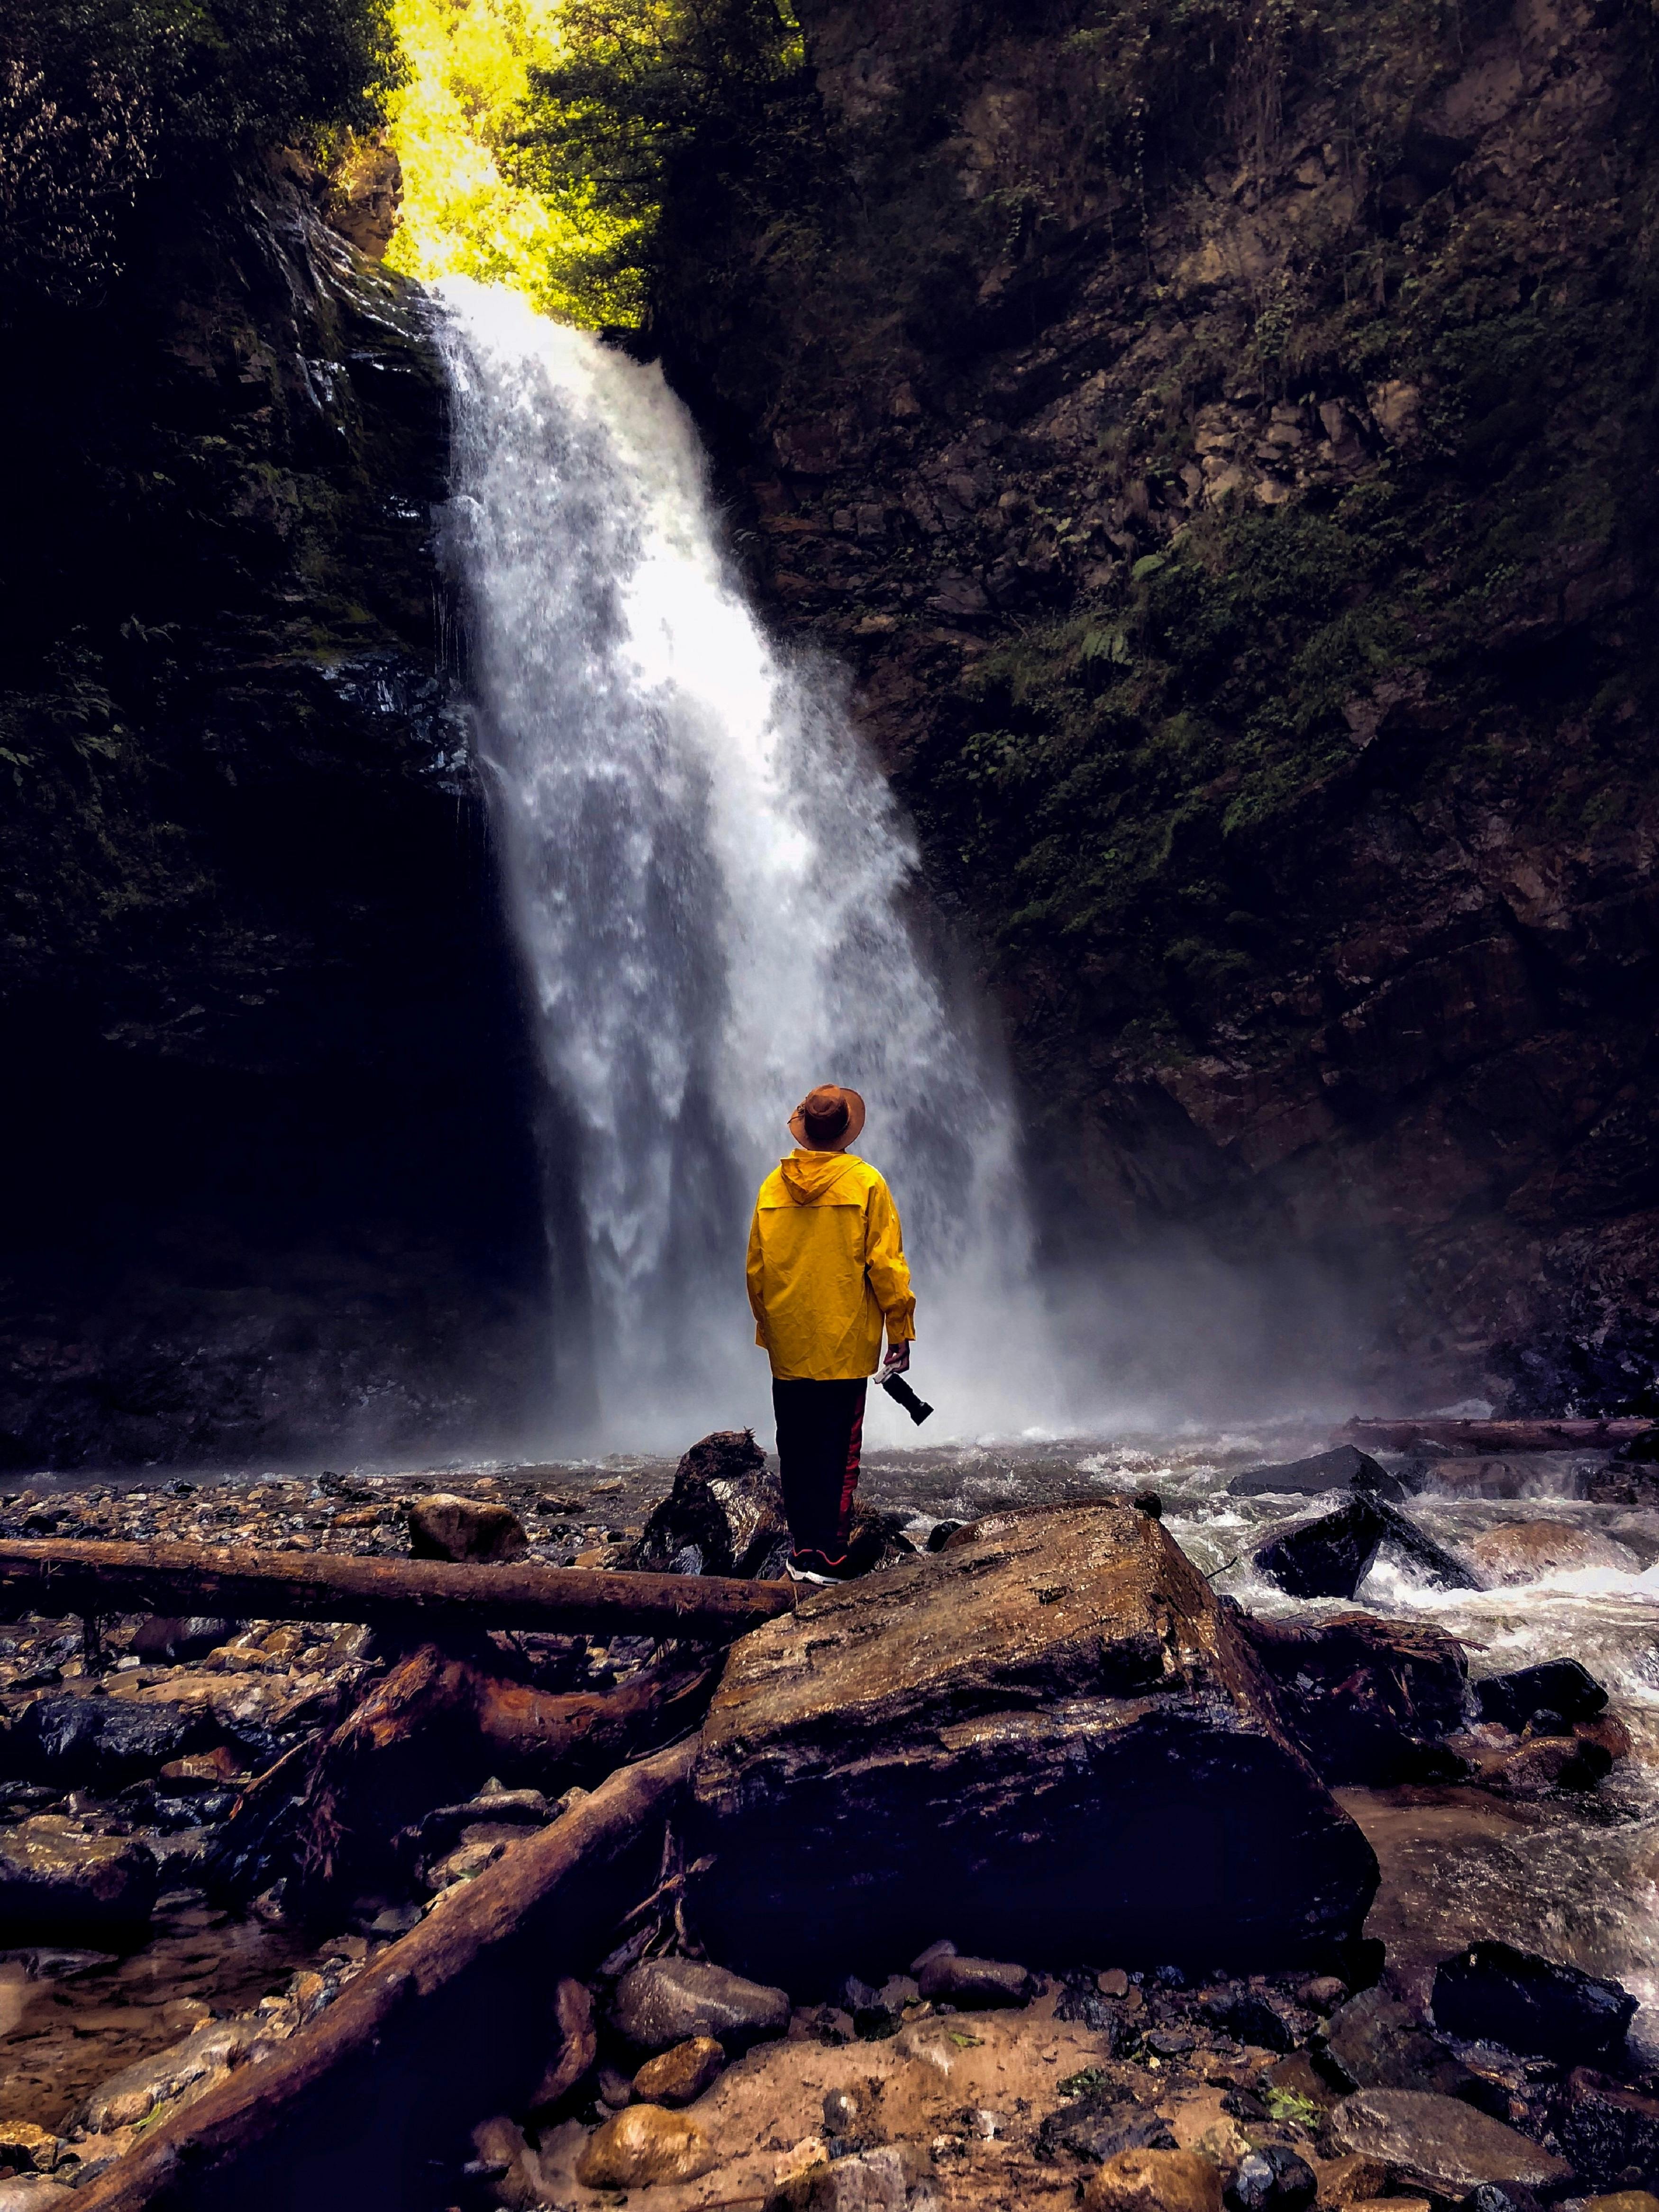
x,y
1455,1438
429,2036
438,1724
418,1596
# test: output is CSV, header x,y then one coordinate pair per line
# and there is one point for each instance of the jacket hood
x,y
810,1177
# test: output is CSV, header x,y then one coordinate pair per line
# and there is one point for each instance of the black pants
x,y
820,1438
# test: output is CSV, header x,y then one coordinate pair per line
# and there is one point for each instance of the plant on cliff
x,y
103,100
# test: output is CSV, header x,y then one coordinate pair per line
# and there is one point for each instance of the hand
x,y
896,1362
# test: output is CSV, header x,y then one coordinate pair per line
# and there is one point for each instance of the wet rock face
x,y
57,1883
723,1516
996,1743
282,1194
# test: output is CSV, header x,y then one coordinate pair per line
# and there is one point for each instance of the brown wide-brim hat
x,y
823,1101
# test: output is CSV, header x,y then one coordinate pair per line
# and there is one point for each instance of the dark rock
x,y
1369,1700
175,1641
1169,2042
1540,1765
669,2001
1492,1993
1441,2145
58,1883
975,1983
1008,1737
723,1516
1559,1685
1269,2022
1089,2008
1346,1468
941,1533
1272,2179
1099,2125
102,1743
445,1528
1608,2129
1331,1556
575,2049
1375,2042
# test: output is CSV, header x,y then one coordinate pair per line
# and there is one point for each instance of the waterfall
x,y
714,894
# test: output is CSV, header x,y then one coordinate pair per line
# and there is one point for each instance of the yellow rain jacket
x,y
826,1269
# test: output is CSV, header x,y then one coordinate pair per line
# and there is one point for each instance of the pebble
x,y
975,1982
664,2001
1154,2181
679,2076
1114,1983
442,1526
644,2145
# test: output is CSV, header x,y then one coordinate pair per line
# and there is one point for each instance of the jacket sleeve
x,y
756,1276
885,1266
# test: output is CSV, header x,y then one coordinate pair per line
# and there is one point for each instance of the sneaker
x,y
817,1567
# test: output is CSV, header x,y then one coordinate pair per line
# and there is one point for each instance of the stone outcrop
x,y
999,1743
1317,868
283,1195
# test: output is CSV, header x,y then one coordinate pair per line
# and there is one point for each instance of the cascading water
x,y
711,884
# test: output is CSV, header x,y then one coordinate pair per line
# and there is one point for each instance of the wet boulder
x,y
1558,1686
1370,1700
1440,2145
102,1743
1346,1468
57,1883
1492,1993
1375,2041
1049,1738
1609,2130
723,1516
1331,1556
664,2001
445,1528
679,2075
1517,1552
177,1642
644,2145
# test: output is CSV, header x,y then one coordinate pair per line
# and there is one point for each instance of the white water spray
x,y
710,881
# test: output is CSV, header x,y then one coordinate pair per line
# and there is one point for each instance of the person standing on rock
x,y
826,1273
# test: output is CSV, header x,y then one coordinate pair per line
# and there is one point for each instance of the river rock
x,y
206,2055
878,2180
1272,2179
723,1516
1561,1687
57,1881
679,2076
1371,1701
664,2001
644,2145
1519,1551
975,1983
28,2148
1375,2042
1541,1766
1154,2181
1100,2123
102,1743
177,1640
1050,1734
1492,1993
574,2050
1440,2144
1608,2128
1346,1468
445,1528
1331,1556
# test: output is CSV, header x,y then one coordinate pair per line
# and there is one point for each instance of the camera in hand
x,y
901,1394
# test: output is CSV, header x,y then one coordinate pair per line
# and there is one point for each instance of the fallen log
x,y
360,2104
66,1575
1454,1437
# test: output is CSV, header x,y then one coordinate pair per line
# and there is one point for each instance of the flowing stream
x,y
713,892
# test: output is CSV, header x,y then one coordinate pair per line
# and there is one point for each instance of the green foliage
x,y
657,101
101,98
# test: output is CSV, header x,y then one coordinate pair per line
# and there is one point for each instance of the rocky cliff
x,y
1222,438
271,1181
